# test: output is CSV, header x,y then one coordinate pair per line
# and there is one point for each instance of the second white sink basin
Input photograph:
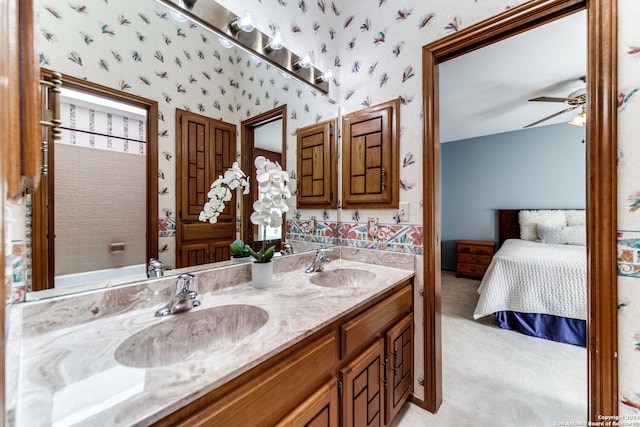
x,y
190,335
342,278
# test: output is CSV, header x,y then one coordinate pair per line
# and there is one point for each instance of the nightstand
x,y
473,257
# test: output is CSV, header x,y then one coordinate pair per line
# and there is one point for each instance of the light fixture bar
x,y
215,17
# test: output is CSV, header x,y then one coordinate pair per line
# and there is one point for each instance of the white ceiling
x,y
486,91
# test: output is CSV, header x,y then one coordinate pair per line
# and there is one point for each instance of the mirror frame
x,y
247,128
43,269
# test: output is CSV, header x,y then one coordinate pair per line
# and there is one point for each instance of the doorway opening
x,y
601,188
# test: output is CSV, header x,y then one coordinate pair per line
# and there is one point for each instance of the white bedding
x,y
532,277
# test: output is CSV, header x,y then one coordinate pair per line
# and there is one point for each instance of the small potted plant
x,y
239,249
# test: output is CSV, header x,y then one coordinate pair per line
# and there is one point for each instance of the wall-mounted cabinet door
x,y
317,168
370,176
205,149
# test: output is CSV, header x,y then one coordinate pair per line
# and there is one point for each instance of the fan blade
x,y
549,99
566,110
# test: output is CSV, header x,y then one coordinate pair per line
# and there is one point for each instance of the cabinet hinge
x,y
332,131
339,388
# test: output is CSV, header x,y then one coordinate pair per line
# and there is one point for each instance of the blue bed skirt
x,y
555,328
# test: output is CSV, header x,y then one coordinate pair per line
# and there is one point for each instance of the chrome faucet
x,y
155,268
318,261
288,249
183,300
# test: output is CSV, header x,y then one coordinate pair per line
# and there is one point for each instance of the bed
x,y
536,282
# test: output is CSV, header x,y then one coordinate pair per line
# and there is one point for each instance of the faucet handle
x,y
185,279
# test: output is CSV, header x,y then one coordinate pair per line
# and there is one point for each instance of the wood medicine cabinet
x,y
317,169
370,150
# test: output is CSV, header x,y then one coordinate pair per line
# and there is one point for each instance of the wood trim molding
x,y
602,158
246,149
601,184
152,155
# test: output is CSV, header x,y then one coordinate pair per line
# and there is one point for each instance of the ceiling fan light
x,y
580,119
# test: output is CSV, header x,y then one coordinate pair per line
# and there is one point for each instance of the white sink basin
x,y
342,278
190,335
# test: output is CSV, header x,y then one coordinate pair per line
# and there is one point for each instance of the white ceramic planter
x,y
262,274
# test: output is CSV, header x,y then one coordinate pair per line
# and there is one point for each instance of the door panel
x,y
205,149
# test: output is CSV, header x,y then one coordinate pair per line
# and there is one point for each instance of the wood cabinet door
x,y
370,144
317,169
205,149
399,353
319,410
363,389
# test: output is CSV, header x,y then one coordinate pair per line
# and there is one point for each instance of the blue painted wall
x,y
543,167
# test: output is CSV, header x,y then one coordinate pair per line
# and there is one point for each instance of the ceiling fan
x,y
576,99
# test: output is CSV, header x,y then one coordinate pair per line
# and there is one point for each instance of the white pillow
x,y
570,235
530,218
576,216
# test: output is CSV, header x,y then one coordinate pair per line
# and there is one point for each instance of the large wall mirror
x,y
147,50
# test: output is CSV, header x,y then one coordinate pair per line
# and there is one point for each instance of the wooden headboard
x,y
508,225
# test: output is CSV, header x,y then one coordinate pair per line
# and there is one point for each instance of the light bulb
x,y
244,22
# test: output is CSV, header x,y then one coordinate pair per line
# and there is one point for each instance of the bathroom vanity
x,y
333,347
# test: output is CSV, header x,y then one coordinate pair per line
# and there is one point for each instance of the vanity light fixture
x,y
274,43
243,22
325,77
304,61
215,17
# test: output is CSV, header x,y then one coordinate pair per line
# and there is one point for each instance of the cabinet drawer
x,y
469,248
476,270
361,329
474,259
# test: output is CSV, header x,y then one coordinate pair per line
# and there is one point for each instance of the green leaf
x,y
268,254
239,249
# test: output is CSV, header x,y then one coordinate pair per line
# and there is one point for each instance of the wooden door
x,y
363,390
205,149
317,169
370,147
399,353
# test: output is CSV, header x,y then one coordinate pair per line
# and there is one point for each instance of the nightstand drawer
x,y
475,270
474,259
475,249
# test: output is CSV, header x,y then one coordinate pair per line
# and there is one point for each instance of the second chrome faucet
x,y
184,298
318,261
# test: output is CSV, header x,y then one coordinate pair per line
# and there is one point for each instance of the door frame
x,y
601,158
247,128
43,268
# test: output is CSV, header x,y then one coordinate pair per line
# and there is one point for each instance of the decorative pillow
x,y
529,218
576,216
570,235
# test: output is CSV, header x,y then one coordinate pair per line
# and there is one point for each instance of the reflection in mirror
x,y
180,64
263,135
90,213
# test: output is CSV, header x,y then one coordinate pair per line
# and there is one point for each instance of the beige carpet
x,y
496,377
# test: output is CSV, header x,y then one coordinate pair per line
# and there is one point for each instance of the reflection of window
x,y
97,122
100,184
271,233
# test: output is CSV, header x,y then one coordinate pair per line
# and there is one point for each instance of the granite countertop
x,y
69,375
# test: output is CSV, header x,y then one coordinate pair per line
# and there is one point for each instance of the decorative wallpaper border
x,y
402,238
629,254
